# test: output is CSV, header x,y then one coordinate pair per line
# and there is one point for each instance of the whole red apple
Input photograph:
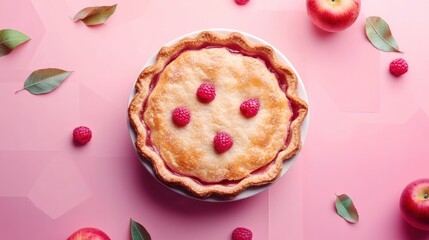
x,y
333,15
89,233
414,203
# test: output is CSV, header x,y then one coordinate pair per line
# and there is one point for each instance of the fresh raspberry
x,y
222,142
241,2
82,135
398,67
241,233
206,92
181,116
250,107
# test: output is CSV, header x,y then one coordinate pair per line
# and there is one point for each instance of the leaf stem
x,y
19,90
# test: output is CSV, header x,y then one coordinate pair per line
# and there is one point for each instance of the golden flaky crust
x,y
180,159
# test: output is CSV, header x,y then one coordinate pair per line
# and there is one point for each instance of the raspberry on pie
x,y
193,157
181,116
222,142
206,92
250,107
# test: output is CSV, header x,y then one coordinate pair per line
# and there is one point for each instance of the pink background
x,y
367,136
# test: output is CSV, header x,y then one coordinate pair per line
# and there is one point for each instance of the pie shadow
x,y
158,193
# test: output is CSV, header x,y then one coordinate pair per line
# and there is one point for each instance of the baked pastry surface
x,y
238,70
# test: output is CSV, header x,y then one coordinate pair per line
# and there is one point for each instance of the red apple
x,y
414,203
333,15
88,234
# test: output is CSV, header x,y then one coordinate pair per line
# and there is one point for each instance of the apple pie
x,y
217,114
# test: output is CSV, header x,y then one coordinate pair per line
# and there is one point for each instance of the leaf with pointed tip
x,y
346,209
95,15
10,39
45,80
138,232
379,34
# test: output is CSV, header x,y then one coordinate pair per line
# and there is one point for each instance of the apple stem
x,y
426,196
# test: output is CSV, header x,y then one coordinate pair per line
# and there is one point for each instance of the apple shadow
x,y
319,33
409,232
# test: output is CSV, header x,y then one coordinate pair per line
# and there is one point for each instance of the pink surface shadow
x,y
160,194
149,202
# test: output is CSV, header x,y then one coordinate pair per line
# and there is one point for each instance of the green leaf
x,y
138,232
346,209
10,39
45,80
379,34
95,15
